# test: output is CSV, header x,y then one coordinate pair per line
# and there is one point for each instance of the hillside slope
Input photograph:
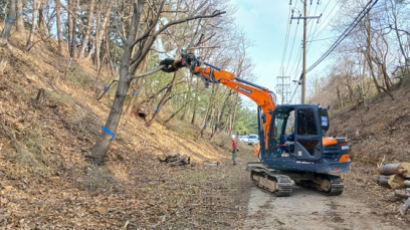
x,y
49,120
380,129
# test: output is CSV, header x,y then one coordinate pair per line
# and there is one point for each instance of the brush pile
x,y
397,176
175,159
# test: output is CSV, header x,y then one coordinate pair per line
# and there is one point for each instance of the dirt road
x,y
306,209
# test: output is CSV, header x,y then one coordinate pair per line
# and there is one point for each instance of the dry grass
x,y
43,155
380,130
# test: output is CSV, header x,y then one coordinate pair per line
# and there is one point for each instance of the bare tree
x,y
19,17
58,26
34,22
135,50
10,20
87,29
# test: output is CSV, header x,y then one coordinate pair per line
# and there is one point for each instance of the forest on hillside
x,y
127,40
96,132
374,59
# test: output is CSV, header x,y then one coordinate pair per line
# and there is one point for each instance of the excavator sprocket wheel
x,y
328,184
280,185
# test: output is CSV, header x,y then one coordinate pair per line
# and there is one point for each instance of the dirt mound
x,y
380,129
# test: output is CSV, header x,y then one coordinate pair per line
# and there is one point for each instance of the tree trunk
x,y
383,180
102,145
42,23
220,114
368,52
73,10
186,100
58,22
10,20
86,39
396,30
98,10
137,85
34,19
100,34
69,25
235,111
162,101
389,169
20,19
175,113
130,61
405,206
195,103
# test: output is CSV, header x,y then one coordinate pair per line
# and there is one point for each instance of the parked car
x,y
253,139
243,138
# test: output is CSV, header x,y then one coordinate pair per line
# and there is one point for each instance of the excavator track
x,y
279,184
327,184
336,186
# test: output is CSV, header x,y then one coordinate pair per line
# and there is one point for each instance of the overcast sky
x,y
265,24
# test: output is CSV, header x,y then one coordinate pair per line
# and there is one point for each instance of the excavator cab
x,y
297,141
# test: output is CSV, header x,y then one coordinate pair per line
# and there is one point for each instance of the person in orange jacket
x,y
234,149
257,149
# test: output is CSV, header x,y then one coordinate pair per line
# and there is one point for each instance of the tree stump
x,y
396,181
383,180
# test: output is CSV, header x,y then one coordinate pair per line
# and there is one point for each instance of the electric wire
x,y
366,9
345,33
292,48
281,70
325,20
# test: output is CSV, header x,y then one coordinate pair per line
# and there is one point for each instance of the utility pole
x,y
305,17
283,87
304,52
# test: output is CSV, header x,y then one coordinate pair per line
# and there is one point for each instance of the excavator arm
x,y
262,96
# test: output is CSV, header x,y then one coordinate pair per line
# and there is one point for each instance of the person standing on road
x,y
234,149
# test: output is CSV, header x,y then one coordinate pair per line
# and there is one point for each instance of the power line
x,y
281,70
366,9
345,33
292,47
311,26
326,18
305,22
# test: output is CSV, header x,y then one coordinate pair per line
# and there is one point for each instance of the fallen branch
x,y
389,169
396,168
402,193
405,206
383,180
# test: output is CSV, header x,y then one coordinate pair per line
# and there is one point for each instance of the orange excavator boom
x,y
263,97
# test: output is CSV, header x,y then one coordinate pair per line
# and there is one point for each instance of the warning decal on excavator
x,y
244,89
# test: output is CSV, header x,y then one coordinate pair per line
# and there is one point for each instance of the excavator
x,y
294,149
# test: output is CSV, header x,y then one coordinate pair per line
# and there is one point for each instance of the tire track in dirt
x,y
309,210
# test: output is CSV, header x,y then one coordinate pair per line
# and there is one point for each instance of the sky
x,y
265,24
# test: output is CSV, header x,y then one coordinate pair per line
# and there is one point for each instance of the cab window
x,y
306,122
279,119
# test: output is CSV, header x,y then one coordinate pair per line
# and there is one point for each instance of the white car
x,y
243,138
253,139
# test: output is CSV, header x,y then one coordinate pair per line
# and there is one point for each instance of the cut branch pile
x,y
175,159
397,176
